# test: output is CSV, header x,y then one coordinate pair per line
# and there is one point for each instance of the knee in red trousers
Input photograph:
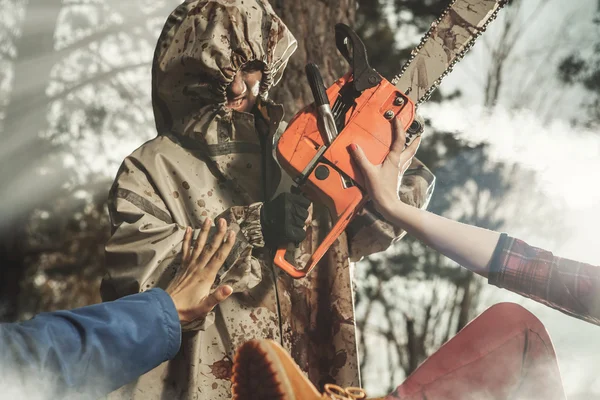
x,y
515,316
505,352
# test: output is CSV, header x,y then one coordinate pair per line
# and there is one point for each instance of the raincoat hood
x,y
202,46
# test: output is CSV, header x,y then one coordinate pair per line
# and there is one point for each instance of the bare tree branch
x,y
135,21
96,79
449,330
361,326
391,366
6,54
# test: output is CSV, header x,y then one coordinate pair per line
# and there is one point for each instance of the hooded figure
x,y
211,160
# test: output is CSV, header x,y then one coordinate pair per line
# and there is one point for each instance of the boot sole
x,y
259,375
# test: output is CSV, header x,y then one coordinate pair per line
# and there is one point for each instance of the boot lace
x,y
336,392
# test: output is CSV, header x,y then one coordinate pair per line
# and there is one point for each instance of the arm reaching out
x,y
469,246
569,286
93,350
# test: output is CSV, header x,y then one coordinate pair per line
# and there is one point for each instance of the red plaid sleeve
x,y
566,285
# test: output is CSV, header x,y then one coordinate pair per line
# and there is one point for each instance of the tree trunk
x,y
23,150
312,22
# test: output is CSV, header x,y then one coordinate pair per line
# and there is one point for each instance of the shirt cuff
x,y
247,218
170,320
250,225
496,265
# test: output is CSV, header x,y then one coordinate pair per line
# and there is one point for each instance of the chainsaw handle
x,y
365,77
282,263
345,40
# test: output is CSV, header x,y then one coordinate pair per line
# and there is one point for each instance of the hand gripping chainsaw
x,y
359,107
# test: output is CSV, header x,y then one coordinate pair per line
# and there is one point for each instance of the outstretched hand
x,y
378,178
191,287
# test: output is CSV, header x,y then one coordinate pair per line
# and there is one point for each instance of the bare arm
x,y
566,285
469,246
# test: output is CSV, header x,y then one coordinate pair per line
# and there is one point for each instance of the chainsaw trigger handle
x,y
348,41
351,200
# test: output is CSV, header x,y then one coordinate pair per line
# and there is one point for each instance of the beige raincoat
x,y
208,161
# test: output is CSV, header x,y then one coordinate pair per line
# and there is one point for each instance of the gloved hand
x,y
282,219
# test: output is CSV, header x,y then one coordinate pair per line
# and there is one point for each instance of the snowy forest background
x,y
513,136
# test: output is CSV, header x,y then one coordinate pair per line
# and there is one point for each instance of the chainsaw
x,y
359,107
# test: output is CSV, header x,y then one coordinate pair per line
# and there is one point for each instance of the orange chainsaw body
x,y
321,178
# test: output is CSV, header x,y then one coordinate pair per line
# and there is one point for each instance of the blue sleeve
x,y
92,350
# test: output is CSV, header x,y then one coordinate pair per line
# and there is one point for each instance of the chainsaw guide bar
x,y
450,37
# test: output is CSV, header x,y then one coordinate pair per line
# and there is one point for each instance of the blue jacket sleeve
x,y
91,350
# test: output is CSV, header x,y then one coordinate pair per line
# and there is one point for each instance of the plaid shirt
x,y
566,285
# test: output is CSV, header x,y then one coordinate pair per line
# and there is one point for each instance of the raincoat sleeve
x,y
91,350
369,233
144,250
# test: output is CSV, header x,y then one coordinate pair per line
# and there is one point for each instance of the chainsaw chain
x,y
458,57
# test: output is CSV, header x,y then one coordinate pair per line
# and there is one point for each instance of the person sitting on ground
x,y
504,353
90,351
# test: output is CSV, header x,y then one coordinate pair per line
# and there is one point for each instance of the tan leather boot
x,y
263,370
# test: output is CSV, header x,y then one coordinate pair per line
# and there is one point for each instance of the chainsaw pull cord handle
x,y
315,81
325,119
347,40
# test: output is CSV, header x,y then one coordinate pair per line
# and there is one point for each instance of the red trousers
x,y
505,353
